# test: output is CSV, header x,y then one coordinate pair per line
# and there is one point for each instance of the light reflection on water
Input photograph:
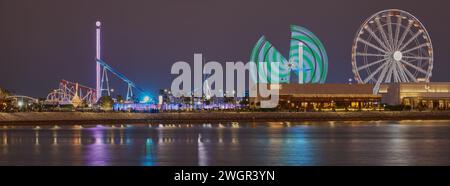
x,y
271,143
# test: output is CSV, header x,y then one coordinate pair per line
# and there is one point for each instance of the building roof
x,y
421,87
328,89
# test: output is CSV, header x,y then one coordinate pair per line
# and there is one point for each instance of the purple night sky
x,y
44,41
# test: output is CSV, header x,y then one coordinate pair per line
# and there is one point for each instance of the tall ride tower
x,y
101,70
98,87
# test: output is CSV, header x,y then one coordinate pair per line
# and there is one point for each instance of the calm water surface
x,y
278,143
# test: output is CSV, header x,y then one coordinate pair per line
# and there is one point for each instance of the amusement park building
x,y
308,97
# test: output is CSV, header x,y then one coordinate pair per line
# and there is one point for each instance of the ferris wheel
x,y
392,46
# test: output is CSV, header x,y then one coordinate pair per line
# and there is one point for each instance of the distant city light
x,y
20,103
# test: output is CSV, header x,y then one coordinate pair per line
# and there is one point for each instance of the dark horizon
x,y
46,41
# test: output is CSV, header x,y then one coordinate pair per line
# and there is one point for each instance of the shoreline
x,y
75,118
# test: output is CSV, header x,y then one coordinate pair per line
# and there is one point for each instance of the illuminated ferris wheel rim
x,y
394,48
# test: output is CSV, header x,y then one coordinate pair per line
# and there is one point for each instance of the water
x,y
278,143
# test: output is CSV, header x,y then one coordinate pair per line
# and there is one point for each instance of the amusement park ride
x,y
70,93
307,58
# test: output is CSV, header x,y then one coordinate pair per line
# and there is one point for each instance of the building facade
x,y
323,97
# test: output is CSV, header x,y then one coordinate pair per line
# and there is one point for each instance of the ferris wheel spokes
x,y
392,46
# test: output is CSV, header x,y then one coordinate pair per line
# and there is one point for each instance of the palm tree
x,y
4,103
106,103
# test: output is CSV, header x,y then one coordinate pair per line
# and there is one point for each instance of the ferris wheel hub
x,y
397,56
